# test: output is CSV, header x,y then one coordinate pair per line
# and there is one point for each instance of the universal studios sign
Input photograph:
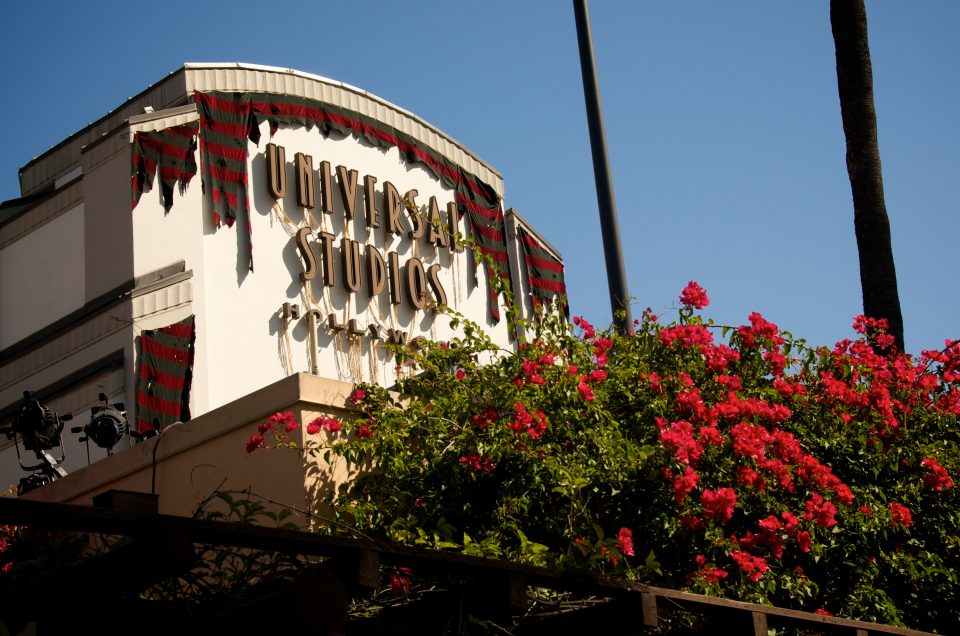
x,y
346,263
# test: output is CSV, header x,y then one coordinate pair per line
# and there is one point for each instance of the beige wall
x,y
107,231
207,454
41,276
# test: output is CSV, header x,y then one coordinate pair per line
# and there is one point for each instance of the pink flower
x,y
693,295
625,541
461,374
356,396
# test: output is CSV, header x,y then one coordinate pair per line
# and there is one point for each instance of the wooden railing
x,y
165,543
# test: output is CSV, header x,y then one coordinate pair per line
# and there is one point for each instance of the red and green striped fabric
x,y
171,153
227,120
544,272
489,231
165,374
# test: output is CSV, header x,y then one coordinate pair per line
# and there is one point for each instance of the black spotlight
x,y
108,424
37,426
39,429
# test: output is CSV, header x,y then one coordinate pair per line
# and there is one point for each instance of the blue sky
x,y
723,125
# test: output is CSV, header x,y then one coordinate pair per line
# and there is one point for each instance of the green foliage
x,y
756,467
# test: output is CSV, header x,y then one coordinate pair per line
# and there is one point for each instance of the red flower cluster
x,y
475,461
694,296
760,331
684,485
366,431
399,583
752,566
625,542
286,421
588,331
485,419
823,512
276,420
710,574
533,424
687,335
585,391
938,478
531,373
255,442
678,437
900,514
719,357
875,329
600,348
356,397
323,423
719,504
279,420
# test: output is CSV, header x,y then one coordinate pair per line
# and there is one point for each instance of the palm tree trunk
x,y
878,276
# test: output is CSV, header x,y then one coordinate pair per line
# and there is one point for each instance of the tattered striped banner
x,y
228,120
164,375
544,272
171,153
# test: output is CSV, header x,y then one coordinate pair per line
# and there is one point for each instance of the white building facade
x,y
275,221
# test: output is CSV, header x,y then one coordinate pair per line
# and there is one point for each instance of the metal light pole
x,y
609,227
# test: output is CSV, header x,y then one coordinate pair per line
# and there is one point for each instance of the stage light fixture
x,y
38,426
108,424
39,429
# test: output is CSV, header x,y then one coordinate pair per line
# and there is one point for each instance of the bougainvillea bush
x,y
733,461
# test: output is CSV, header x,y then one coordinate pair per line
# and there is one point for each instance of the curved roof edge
x,y
177,89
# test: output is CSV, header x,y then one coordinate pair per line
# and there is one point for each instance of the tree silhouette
x,y
878,275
